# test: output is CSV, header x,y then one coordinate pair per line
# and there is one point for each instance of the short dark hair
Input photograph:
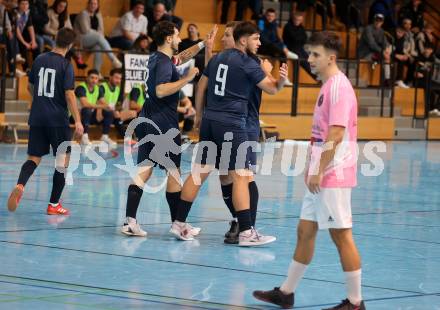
x,y
162,30
20,1
329,40
244,29
232,24
65,37
115,71
92,71
271,10
136,3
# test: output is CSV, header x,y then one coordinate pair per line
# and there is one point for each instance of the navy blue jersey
x,y
253,120
232,74
163,111
51,75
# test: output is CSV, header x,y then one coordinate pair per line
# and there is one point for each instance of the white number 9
x,y
222,73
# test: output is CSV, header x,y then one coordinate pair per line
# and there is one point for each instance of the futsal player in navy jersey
x,y
51,83
227,82
253,128
163,85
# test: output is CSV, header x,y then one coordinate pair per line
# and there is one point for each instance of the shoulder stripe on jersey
x,y
334,90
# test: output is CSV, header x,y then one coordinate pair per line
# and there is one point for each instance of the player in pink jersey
x,y
330,176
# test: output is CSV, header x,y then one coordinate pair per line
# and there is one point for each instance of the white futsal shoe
x,y
251,237
182,231
111,144
132,228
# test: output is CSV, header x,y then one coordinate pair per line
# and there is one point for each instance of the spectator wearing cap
x,y
387,9
131,25
373,45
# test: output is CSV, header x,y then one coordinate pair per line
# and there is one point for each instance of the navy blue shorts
x,y
253,136
168,160
42,138
224,158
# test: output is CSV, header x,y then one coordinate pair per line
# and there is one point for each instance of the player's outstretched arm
x,y
189,53
202,86
73,108
167,89
272,86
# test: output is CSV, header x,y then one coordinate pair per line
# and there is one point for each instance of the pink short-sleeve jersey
x,y
336,106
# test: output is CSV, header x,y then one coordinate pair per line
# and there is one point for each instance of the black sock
x,y
173,200
253,195
183,210
244,219
58,182
227,197
26,171
133,198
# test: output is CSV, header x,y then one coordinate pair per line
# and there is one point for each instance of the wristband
x,y
201,45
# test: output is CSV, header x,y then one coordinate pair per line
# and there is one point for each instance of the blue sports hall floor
x,y
83,262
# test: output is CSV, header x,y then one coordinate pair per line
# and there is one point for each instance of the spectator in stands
x,y
255,5
169,4
435,87
410,48
8,38
424,63
402,56
90,28
295,37
158,14
271,43
58,17
387,10
373,45
141,45
425,38
414,11
186,114
40,19
93,109
192,39
25,30
131,25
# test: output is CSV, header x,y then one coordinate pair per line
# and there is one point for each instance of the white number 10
x,y
44,81
222,73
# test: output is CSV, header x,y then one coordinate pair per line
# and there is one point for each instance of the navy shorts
x,y
253,136
168,160
42,138
223,158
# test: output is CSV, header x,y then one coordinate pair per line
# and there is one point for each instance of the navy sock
x,y
183,210
227,197
58,182
173,200
133,198
253,195
244,219
26,171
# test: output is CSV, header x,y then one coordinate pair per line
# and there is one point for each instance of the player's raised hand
x,y
284,72
192,73
79,129
210,37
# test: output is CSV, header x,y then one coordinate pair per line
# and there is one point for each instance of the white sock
x,y
104,136
54,204
387,71
353,283
130,220
294,275
86,136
